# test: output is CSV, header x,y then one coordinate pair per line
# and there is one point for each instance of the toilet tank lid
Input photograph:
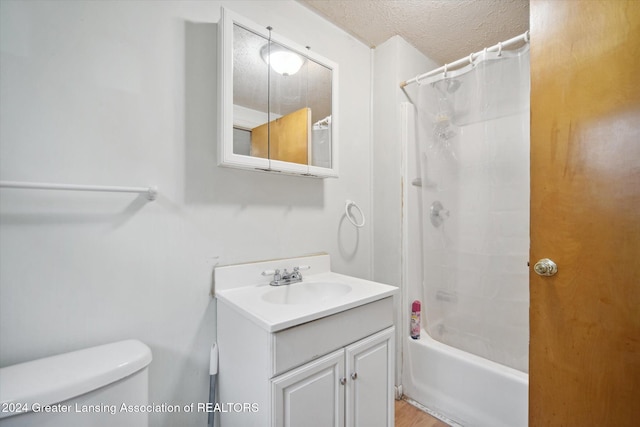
x,y
58,378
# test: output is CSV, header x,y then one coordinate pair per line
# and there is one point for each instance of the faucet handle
x,y
296,271
276,274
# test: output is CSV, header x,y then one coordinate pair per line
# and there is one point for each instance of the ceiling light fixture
x,y
282,60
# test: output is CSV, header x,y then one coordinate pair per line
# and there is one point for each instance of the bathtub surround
x,y
409,223
473,145
124,93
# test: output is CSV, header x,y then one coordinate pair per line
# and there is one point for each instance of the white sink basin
x,y
306,293
275,308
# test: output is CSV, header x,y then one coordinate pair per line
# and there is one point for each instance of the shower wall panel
x,y
473,132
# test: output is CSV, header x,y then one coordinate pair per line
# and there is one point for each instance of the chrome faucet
x,y
286,278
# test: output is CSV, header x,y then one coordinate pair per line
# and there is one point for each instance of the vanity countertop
x,y
279,307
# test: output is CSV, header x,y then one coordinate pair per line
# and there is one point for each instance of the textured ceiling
x,y
444,30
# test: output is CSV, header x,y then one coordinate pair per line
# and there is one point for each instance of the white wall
x,y
394,61
123,93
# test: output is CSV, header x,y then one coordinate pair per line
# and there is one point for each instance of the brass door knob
x,y
545,267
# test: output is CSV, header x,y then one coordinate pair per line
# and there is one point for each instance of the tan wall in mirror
x,y
290,135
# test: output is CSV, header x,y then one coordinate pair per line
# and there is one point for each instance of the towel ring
x,y
348,204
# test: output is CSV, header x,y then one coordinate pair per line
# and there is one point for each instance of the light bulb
x,y
282,60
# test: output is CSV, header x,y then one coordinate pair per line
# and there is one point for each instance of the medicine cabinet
x,y
278,102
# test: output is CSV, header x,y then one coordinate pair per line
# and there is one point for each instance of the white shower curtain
x,y
473,130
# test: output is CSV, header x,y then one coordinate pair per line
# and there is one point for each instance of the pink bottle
x,y
415,320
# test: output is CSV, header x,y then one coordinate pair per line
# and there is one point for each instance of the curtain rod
x,y
469,59
151,192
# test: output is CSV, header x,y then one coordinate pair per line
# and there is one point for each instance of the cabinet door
x,y
370,381
310,395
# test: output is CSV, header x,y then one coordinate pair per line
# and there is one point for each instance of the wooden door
x,y
585,213
286,138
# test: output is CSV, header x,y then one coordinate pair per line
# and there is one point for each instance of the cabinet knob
x,y
354,376
343,381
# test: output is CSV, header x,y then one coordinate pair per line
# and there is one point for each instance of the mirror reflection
x,y
281,102
250,88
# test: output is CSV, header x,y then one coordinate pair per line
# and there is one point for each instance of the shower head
x,y
447,86
453,85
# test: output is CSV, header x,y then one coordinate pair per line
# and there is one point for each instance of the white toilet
x,y
101,386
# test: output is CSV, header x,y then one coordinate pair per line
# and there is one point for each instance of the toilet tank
x,y
102,386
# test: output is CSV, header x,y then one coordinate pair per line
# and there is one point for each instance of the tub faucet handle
x,y
438,214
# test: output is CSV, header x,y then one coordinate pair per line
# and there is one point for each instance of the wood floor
x,y
408,415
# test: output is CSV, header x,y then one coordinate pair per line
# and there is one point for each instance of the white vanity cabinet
x,y
337,370
311,394
349,387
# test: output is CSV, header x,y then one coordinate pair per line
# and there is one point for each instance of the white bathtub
x,y
465,388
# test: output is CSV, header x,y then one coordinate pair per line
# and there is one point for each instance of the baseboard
x,y
434,414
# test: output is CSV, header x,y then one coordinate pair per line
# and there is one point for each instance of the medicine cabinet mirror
x,y
278,102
